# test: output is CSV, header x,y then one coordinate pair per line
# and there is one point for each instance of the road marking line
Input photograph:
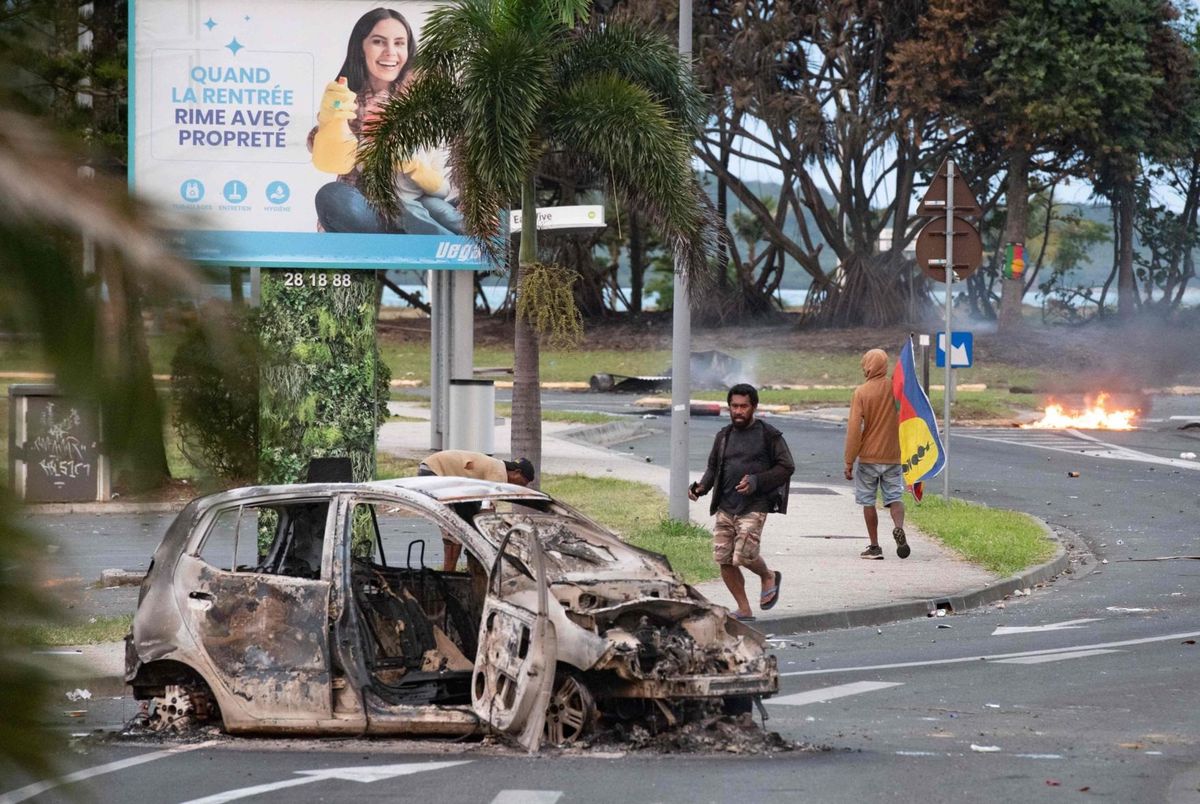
x,y
31,790
996,656
527,797
830,693
1068,442
1032,629
364,775
1056,657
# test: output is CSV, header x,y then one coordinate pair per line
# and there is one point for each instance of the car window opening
x,y
270,540
420,625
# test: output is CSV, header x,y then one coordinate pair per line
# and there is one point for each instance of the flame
x,y
1094,417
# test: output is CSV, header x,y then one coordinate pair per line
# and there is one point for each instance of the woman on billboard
x,y
378,66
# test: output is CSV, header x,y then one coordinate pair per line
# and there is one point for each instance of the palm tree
x,y
46,212
507,84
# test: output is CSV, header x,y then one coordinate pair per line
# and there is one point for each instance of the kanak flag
x,y
921,454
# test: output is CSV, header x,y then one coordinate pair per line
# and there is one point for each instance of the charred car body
x,y
284,609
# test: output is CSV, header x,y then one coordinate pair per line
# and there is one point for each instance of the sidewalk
x,y
816,545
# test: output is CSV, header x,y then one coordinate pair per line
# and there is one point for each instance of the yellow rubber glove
x,y
338,103
425,176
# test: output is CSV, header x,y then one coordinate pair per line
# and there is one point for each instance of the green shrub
x,y
215,391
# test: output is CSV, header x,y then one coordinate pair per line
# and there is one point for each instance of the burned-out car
x,y
308,609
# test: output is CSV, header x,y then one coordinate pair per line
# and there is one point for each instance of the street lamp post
x,y
681,341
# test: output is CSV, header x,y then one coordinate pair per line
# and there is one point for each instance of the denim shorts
x,y
888,477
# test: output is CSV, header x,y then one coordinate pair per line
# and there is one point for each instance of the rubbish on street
x,y
79,695
985,749
711,369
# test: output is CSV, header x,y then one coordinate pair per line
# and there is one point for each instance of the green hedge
x,y
323,386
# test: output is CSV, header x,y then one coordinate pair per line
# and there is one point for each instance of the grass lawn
x,y
638,512
1004,542
566,416
99,629
767,366
389,466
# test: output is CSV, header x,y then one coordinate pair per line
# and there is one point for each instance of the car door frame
x,y
265,637
515,664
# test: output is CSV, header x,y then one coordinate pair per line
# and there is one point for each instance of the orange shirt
x,y
873,431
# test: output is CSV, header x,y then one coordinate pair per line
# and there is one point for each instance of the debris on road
x,y
717,732
711,369
985,749
79,695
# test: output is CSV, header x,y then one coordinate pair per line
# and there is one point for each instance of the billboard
x,y
244,118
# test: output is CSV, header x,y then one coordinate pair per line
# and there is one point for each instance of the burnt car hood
x,y
576,550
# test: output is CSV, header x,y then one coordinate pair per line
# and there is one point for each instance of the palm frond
x,y
568,12
97,209
451,30
625,129
641,57
481,207
427,116
510,80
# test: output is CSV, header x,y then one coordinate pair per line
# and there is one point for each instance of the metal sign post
x,y
949,310
957,258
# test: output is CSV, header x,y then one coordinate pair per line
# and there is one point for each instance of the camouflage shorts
x,y
736,538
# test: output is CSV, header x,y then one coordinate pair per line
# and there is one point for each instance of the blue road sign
x,y
962,349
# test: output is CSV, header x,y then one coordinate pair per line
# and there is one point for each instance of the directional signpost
x,y
962,349
949,202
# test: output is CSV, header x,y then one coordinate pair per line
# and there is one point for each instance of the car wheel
x,y
181,707
571,711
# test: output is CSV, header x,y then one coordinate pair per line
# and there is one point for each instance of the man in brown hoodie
x,y
873,439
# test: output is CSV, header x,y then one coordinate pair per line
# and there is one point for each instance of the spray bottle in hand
x,y
334,143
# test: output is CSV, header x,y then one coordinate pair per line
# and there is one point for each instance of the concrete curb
x,y
893,612
41,509
603,435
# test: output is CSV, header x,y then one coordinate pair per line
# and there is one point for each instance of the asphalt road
x,y
1084,687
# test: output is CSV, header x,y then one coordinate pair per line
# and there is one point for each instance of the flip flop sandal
x,y
770,597
744,618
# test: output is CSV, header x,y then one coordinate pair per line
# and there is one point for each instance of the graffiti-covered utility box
x,y
54,447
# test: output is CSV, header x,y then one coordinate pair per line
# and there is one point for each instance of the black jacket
x,y
773,483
